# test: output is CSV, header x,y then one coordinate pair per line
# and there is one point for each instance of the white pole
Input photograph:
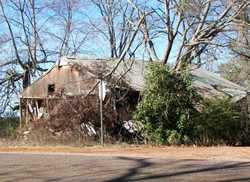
x,y
21,112
101,112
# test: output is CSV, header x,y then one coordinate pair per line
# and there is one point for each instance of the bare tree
x,y
193,27
34,34
237,69
117,26
240,44
72,31
20,27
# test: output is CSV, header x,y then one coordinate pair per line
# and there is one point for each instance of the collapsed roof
x,y
207,83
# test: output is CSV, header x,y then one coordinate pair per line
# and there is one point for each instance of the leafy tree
x,y
167,105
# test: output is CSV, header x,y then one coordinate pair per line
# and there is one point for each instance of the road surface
x,y
53,167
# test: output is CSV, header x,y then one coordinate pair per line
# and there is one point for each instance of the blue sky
x,y
95,46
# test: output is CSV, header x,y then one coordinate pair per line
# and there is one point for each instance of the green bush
x,y
167,104
8,126
218,123
168,112
174,138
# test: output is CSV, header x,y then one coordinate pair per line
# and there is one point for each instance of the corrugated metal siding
x,y
66,79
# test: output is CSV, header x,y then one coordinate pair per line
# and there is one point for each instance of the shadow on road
x,y
133,173
120,169
141,163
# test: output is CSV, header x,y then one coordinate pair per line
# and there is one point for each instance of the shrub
x,y
8,126
167,103
168,112
218,123
174,138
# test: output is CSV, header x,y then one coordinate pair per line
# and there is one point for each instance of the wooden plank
x,y
21,113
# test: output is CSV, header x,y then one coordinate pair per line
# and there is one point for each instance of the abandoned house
x,y
71,77
77,78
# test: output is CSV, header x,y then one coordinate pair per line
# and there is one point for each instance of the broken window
x,y
51,89
40,103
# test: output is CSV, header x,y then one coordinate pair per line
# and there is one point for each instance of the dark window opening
x,y
51,89
39,103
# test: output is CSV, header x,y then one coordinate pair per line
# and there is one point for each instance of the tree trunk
x,y
26,78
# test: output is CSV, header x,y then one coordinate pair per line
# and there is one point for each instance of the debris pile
x,y
75,118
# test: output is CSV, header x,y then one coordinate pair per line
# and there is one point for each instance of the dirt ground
x,y
214,153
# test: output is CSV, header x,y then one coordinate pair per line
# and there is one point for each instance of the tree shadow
x,y
132,173
234,180
141,163
143,169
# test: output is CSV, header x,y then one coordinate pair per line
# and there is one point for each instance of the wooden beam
x,y
21,113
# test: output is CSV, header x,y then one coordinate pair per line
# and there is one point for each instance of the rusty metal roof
x,y
207,83
132,71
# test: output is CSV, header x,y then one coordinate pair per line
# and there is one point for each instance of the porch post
x,y
21,112
248,109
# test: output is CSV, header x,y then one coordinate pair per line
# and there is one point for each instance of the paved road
x,y
73,167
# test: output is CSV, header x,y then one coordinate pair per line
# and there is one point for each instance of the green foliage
x,y
8,126
218,123
168,112
174,137
167,104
